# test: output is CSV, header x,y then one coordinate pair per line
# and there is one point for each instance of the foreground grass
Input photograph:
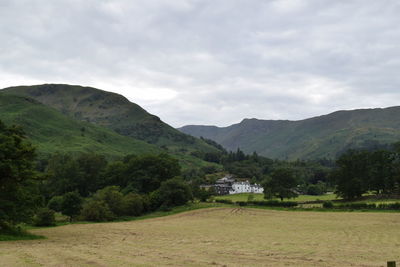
x,y
175,210
62,220
230,236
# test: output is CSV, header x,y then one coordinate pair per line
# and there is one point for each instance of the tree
x,y
174,192
55,203
114,174
91,166
71,204
351,174
282,184
44,217
381,175
18,188
146,173
132,204
67,173
112,197
316,189
64,175
97,211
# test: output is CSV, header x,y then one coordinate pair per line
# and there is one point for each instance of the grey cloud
x,y
220,60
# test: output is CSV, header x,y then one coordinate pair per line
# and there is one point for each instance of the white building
x,y
246,187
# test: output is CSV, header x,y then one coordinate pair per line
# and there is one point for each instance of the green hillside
x,y
114,112
319,137
52,131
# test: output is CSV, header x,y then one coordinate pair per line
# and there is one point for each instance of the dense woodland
x,y
88,186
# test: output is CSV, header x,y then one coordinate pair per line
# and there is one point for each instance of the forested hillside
x,y
113,111
51,131
320,137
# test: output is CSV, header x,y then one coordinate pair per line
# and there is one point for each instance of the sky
x,y
210,62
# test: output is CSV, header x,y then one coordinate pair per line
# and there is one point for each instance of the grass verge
x,y
20,235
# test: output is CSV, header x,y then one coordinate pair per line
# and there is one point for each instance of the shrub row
x,y
359,206
224,201
273,203
110,203
266,203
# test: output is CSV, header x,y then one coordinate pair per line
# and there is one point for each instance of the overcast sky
x,y
210,62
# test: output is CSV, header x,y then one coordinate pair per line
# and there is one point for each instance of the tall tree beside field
x,y
381,171
71,204
145,174
174,192
351,174
67,173
18,194
63,174
282,184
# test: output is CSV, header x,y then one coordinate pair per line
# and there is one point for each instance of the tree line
x,y
89,187
374,169
84,186
360,171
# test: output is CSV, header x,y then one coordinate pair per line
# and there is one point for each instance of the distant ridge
x,y
319,137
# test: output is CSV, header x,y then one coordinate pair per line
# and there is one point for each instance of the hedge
x,y
273,203
365,206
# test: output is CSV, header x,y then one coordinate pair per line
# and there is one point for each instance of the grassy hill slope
x,y
51,131
318,137
114,112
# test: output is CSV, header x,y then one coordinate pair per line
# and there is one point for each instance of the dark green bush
x,y
55,203
44,217
394,206
165,207
203,194
112,197
224,201
274,203
366,206
71,204
327,205
241,203
132,204
174,192
146,203
155,200
389,206
316,189
357,206
97,211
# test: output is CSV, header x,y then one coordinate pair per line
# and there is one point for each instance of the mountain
x,y
51,131
114,112
319,137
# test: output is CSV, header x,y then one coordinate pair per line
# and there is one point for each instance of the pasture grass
x,y
62,220
230,236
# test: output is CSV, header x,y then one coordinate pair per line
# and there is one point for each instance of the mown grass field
x,y
227,236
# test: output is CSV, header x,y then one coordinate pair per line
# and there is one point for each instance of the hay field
x,y
218,237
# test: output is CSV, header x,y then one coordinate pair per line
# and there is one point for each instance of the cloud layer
x,y
210,61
